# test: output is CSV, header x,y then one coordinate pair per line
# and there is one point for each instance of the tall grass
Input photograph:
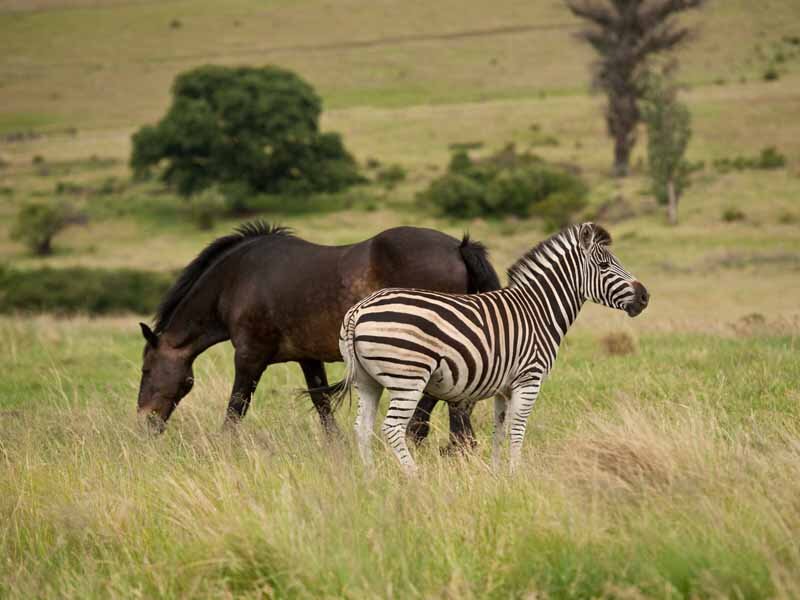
x,y
646,493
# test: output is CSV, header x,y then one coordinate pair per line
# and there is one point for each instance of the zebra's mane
x,y
558,243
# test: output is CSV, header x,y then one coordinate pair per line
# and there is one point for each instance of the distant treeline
x,y
81,290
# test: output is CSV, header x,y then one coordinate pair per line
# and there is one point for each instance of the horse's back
x,y
411,257
297,292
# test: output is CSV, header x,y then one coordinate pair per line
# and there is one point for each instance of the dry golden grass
x,y
663,501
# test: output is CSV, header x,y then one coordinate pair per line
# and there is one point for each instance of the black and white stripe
x,y
464,348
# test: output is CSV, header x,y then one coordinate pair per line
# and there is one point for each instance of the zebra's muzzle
x,y
640,300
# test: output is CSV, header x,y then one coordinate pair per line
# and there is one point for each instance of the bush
x,y
257,127
506,183
618,344
771,73
730,215
769,158
558,210
206,206
390,176
69,188
455,195
81,290
38,224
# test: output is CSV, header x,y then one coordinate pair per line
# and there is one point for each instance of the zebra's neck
x,y
550,277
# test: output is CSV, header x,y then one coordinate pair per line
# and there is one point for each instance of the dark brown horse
x,y
279,298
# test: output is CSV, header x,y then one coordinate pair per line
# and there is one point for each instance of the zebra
x,y
465,348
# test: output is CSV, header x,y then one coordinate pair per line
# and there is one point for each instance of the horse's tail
x,y
481,273
337,391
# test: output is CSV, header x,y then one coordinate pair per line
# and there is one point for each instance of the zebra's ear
x,y
586,236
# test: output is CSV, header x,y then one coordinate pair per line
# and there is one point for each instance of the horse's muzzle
x,y
152,422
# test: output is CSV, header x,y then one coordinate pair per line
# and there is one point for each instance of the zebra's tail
x,y
337,391
482,276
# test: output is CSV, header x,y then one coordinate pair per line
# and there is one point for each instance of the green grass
x,y
675,483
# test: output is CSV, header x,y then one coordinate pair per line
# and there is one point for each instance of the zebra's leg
x,y
500,405
369,394
420,424
401,409
523,397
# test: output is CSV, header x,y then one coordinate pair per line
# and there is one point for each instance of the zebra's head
x,y
606,281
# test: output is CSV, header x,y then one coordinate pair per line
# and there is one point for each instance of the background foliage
x,y
257,128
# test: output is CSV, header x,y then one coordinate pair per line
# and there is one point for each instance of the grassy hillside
x,y
110,64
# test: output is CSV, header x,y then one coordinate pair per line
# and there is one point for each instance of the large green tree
x,y
252,127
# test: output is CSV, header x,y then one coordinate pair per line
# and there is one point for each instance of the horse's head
x,y
606,280
166,378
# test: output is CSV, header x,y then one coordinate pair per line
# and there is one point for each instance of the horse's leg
x,y
314,372
420,424
249,368
462,437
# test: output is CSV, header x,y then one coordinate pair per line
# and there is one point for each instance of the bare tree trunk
x,y
44,247
672,203
622,117
622,155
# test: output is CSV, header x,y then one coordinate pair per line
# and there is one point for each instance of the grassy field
x,y
672,471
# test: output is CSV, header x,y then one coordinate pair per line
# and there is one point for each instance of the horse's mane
x,y
566,237
205,260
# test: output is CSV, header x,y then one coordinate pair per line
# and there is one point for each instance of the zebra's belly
x,y
442,387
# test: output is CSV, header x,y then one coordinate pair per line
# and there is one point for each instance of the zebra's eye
x,y
603,265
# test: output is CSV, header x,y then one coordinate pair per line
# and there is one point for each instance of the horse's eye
x,y
603,265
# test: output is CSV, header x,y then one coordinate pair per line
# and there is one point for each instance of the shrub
x,y
455,195
771,73
769,158
558,210
729,215
110,186
69,188
390,176
206,206
618,344
460,162
38,224
258,127
511,192
236,198
81,290
506,183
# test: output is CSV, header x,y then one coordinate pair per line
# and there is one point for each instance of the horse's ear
x,y
586,236
148,334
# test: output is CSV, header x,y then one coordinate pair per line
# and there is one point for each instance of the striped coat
x,y
464,348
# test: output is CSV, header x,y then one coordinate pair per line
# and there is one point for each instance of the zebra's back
x,y
464,347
